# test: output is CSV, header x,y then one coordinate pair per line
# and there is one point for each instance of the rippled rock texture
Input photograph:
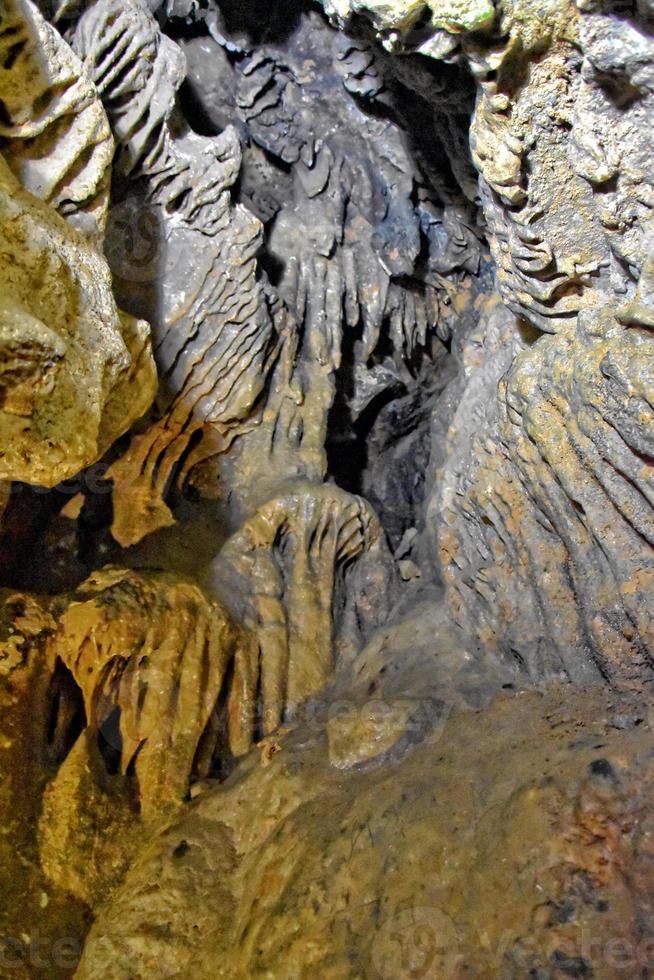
x,y
326,462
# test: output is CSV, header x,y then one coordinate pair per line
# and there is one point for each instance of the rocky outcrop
x,y
545,516
310,575
196,277
380,873
75,372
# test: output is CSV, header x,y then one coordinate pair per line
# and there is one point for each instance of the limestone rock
x,y
150,654
88,828
54,134
397,258
75,372
366,735
288,575
395,870
195,280
544,513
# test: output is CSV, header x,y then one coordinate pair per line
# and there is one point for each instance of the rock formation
x,y
76,372
327,488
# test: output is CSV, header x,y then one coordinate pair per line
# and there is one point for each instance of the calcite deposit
x,y
326,489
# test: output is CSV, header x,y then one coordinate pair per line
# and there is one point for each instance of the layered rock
x,y
54,133
183,255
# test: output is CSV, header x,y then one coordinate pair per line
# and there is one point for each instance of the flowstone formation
x,y
326,489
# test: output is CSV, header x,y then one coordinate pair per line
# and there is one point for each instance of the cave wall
x,y
542,516
349,307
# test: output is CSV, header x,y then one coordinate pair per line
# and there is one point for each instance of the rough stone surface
x,y
546,533
543,806
75,372
54,133
337,662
